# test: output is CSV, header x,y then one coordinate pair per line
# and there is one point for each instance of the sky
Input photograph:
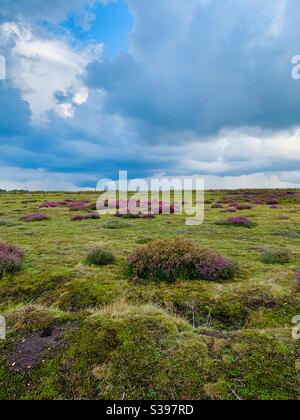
x,y
172,88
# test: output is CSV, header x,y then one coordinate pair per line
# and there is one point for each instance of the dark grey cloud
x,y
205,65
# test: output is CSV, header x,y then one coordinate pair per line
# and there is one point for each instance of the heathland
x,y
147,307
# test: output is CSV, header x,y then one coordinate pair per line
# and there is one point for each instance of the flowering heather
x,y
244,207
10,259
169,260
155,207
229,199
78,205
90,216
53,204
92,206
148,216
36,217
164,208
272,202
239,220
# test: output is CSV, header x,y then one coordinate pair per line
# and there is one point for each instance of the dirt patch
x,y
32,350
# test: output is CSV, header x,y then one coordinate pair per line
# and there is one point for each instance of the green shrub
x,y
168,260
100,256
276,256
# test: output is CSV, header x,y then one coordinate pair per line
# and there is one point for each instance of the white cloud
x,y
41,66
257,180
14,178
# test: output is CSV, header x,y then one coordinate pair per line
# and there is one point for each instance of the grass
x,y
136,340
276,256
101,257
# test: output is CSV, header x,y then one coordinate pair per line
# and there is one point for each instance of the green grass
x,y
127,339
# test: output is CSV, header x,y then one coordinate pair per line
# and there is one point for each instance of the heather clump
x,y
169,260
35,217
53,204
272,201
81,217
10,259
148,216
244,207
276,256
237,221
79,205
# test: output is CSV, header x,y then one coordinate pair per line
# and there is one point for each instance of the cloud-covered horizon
x,y
204,89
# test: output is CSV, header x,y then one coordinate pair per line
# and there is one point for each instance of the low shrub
x,y
237,221
35,217
244,207
81,217
100,256
79,205
276,256
53,204
168,260
10,259
148,216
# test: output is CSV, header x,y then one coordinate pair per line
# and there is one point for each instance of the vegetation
x,y
100,256
170,260
276,256
81,331
10,259
36,217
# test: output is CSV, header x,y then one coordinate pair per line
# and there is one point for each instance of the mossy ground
x,y
124,339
